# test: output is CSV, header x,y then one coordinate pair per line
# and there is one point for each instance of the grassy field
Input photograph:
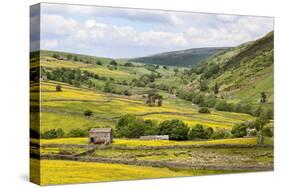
x,y
199,156
65,109
60,150
67,172
53,120
122,142
231,141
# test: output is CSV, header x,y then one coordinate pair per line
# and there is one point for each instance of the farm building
x,y
100,135
61,58
155,137
250,132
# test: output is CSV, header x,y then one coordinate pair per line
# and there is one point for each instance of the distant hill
x,y
184,58
72,56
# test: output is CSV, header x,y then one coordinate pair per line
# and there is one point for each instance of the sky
x,y
126,33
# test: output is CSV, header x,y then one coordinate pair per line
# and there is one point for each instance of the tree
x,y
220,134
259,125
258,111
204,110
199,132
69,57
130,126
108,87
127,92
113,63
112,67
99,62
60,133
151,98
176,129
124,82
210,101
216,88
198,99
263,97
203,86
50,134
150,127
209,132
154,99
176,71
269,113
88,113
77,133
223,106
55,56
243,107
128,64
267,131
239,130
172,89
159,101
210,71
58,88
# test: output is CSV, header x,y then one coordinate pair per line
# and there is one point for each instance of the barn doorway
x,y
92,139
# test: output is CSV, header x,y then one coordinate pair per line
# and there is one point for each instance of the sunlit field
x,y
132,142
67,172
65,110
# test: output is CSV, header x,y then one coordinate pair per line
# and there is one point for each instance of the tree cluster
x,y
145,79
130,126
154,99
59,133
222,105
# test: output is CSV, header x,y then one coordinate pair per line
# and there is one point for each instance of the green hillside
x,y
243,72
183,58
73,56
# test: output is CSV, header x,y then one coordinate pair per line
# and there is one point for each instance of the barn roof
x,y
100,130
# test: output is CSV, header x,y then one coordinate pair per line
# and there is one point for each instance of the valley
x,y
217,112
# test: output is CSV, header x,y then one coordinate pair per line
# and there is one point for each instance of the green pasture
x,y
71,100
66,172
136,142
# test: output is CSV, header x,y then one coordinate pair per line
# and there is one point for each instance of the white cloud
x,y
57,24
88,28
93,32
165,39
90,23
154,16
49,44
254,24
226,18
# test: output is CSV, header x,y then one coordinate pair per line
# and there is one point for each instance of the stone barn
x,y
100,135
155,137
